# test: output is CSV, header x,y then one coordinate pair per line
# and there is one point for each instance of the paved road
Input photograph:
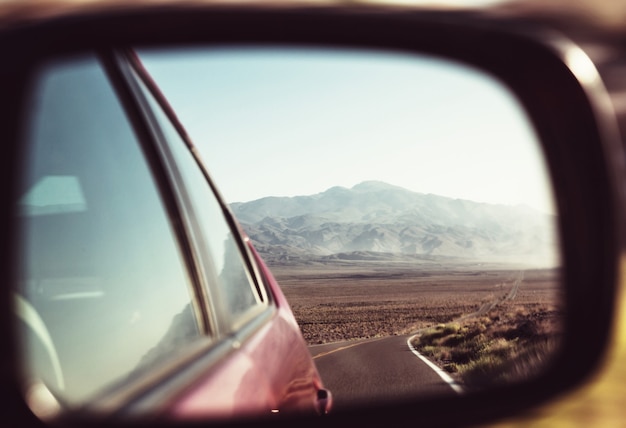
x,y
375,370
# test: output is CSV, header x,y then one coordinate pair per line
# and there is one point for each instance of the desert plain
x,y
463,311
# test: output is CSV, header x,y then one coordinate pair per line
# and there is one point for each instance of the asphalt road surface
x,y
373,371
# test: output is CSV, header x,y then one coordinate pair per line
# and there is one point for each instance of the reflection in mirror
x,y
401,201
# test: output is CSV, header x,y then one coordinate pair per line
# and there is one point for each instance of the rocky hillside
x,y
374,220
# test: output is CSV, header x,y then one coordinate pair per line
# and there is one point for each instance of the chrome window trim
x,y
204,308
260,289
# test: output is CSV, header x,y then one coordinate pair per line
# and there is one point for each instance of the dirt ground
x,y
343,301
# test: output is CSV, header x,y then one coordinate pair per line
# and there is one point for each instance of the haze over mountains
x,y
375,220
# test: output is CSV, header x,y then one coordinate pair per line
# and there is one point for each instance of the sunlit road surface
x,y
372,371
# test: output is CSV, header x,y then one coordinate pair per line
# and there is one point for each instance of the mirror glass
x,y
401,201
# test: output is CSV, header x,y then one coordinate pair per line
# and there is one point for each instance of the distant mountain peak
x,y
377,217
375,186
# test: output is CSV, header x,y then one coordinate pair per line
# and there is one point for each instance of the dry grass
x,y
506,344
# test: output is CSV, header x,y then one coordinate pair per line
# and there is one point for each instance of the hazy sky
x,y
285,122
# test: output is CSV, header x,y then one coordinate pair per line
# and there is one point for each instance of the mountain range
x,y
374,220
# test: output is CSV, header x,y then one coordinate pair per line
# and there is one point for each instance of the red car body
x,y
251,382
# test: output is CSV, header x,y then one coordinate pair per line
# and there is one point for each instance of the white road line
x,y
443,375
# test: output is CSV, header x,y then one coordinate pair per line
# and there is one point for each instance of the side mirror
x,y
556,91
323,401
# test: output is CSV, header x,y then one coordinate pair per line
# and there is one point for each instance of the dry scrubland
x,y
480,322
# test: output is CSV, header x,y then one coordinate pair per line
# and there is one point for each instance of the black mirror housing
x,y
553,79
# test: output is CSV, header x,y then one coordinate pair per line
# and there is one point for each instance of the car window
x,y
232,281
103,291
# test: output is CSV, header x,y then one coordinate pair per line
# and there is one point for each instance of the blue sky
x,y
284,122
